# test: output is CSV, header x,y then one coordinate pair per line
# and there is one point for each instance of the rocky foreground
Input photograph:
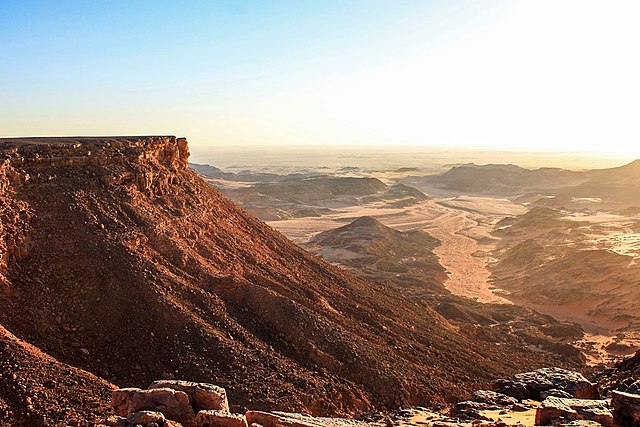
x,y
548,396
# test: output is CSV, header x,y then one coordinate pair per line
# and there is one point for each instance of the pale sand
x,y
468,273
463,225
524,418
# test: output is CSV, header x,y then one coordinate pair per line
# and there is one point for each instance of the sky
x,y
533,75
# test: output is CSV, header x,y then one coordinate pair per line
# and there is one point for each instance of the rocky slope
x,y
118,260
37,390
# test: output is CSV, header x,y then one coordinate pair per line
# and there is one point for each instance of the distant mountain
x,y
498,179
630,171
380,253
314,189
617,187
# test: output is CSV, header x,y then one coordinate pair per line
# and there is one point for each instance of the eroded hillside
x,y
118,260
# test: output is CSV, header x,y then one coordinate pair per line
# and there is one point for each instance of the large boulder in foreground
x,y
207,418
556,410
173,404
530,385
202,396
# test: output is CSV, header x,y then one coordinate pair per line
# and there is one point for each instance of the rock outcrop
x,y
530,385
201,395
183,402
557,410
626,408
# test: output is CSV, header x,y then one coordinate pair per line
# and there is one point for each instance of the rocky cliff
x,y
118,260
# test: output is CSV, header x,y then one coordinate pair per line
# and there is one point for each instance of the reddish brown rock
x,y
145,417
626,408
173,404
121,400
219,419
557,408
164,261
203,396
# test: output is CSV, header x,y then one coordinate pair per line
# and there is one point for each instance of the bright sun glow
x,y
518,75
544,75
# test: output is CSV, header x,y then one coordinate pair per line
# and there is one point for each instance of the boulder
x,y
470,410
284,419
555,393
115,420
530,385
174,404
494,399
209,418
120,400
203,396
626,408
265,419
557,410
145,417
511,388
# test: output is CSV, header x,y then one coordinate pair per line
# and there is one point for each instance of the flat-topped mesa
x,y
72,151
149,164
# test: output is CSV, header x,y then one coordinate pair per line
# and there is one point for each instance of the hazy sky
x,y
537,74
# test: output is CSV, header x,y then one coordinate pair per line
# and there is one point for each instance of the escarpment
x,y
119,260
29,162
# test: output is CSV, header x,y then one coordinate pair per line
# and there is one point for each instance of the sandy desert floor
x,y
452,221
463,224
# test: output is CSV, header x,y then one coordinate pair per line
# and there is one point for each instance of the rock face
x,y
626,408
494,399
208,418
557,409
530,385
283,419
201,395
183,402
112,244
145,417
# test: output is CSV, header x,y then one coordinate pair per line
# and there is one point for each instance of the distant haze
x,y
393,162
541,75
